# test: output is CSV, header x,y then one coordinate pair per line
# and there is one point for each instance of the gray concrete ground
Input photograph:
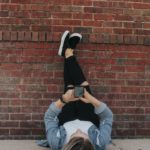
x,y
125,144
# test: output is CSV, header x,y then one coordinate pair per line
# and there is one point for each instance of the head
x,y
79,141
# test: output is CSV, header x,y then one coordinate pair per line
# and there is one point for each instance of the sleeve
x,y
52,128
104,132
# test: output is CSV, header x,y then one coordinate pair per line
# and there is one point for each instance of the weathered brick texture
x,y
114,54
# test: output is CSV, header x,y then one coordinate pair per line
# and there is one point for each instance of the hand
x,y
69,96
87,97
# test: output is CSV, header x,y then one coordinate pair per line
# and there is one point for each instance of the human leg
x,y
84,111
73,75
69,108
68,112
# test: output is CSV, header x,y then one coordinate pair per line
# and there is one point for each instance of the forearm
x,y
59,104
101,109
54,110
95,102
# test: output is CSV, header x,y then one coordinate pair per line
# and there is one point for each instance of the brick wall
x,y
114,54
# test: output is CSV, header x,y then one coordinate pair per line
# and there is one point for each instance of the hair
x,y
78,143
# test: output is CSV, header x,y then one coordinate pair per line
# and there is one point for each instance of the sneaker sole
x,y
76,34
62,43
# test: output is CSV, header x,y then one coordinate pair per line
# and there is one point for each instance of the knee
x,y
70,85
85,83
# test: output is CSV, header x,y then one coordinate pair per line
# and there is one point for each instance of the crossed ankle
x,y
68,52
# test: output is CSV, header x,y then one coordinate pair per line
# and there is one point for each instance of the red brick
x,y
4,116
90,10
61,28
21,1
14,36
118,68
49,36
132,25
4,131
82,2
37,116
125,103
130,76
146,40
137,55
141,6
122,4
142,132
101,3
61,15
111,10
41,28
71,22
130,89
85,16
40,2
4,14
10,124
40,14
141,104
123,31
145,89
33,95
37,132
4,1
40,7
42,36
10,7
20,117
103,17
20,131
20,36
111,23
19,14
123,18
27,36
1,33
35,36
135,83
142,32
4,102
6,36
52,88
125,132
147,110
140,40
57,22
72,8
135,68
128,39
64,2
30,124
92,23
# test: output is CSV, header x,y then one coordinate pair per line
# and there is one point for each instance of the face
x,y
79,133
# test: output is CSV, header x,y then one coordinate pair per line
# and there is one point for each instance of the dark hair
x,y
78,143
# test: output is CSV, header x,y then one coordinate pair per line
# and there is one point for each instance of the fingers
x,y
75,99
84,99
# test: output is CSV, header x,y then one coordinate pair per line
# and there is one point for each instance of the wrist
x,y
63,100
59,104
95,102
